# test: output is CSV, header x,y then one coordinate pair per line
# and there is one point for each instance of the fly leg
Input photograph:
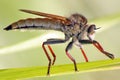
x,y
86,59
48,42
69,56
53,41
78,43
53,54
48,71
98,46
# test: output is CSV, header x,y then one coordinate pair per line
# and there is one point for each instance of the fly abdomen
x,y
36,23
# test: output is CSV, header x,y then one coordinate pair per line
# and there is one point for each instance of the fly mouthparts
x,y
97,28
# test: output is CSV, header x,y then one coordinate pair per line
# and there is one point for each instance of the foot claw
x,y
111,56
53,63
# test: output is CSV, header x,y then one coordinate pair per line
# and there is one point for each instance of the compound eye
x,y
91,29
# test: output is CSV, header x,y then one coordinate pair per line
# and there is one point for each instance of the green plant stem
x,y
20,73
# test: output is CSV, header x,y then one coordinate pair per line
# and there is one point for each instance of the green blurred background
x,y
23,49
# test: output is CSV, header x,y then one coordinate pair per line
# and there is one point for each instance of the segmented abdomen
x,y
36,23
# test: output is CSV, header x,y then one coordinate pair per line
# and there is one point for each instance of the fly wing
x,y
45,14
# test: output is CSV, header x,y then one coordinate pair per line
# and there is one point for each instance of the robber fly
x,y
74,27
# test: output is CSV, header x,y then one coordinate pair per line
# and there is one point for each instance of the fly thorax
x,y
76,29
83,32
67,30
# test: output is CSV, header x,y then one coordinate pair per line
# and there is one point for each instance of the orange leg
x,y
51,41
49,65
69,56
99,47
54,56
85,57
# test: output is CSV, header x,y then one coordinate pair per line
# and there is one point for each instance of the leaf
x,y
57,70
